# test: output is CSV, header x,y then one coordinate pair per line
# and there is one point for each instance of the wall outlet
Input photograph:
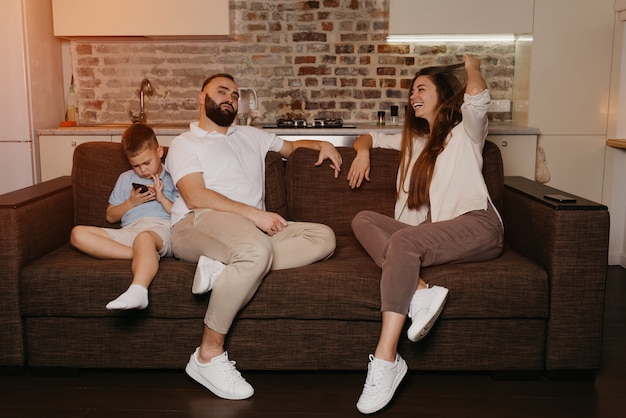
x,y
499,106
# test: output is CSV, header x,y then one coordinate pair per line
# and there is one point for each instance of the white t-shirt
x,y
232,164
457,186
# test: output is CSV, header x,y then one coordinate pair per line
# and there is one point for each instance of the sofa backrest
x,y
313,194
96,166
300,191
493,172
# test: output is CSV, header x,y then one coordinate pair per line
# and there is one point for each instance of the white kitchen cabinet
x,y
427,17
519,153
159,19
164,140
336,140
56,153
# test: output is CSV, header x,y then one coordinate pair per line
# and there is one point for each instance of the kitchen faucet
x,y
145,89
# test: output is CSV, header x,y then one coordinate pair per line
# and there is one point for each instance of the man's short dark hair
x,y
214,76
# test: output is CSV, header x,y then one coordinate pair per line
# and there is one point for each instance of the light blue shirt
x,y
123,187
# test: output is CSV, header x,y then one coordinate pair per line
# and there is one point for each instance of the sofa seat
x,y
337,298
337,289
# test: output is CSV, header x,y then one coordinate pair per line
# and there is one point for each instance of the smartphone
x,y
561,198
142,187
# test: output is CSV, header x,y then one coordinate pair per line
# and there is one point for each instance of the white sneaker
x,y
206,275
219,376
425,308
383,378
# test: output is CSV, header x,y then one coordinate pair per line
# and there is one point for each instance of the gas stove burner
x,y
327,123
291,123
317,123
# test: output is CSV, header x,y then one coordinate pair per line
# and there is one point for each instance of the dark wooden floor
x,y
155,394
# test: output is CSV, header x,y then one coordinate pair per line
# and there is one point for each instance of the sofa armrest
x,y
570,241
34,221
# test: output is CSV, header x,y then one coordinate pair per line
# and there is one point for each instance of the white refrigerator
x,y
31,83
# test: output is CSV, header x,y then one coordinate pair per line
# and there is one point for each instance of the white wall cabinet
x,y
190,19
428,17
519,154
57,151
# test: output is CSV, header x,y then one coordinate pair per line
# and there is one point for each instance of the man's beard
x,y
221,117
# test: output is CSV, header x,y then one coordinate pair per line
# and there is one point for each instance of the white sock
x,y
135,297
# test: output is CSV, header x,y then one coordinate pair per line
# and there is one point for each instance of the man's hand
x,y
328,151
269,222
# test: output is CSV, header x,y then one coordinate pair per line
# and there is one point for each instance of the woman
x,y
443,211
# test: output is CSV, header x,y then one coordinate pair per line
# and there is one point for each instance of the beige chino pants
x,y
247,253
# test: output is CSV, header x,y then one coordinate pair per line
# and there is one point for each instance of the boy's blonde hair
x,y
138,137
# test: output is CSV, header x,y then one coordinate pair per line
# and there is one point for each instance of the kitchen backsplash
x,y
312,59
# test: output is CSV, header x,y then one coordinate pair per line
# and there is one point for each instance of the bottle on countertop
x,y
71,102
394,116
381,118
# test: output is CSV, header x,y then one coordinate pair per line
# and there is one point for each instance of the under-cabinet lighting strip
x,y
499,37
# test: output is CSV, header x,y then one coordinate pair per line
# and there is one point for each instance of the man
x,y
219,220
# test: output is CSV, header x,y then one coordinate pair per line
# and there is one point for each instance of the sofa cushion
x,y
307,186
493,173
95,170
97,166
69,283
275,189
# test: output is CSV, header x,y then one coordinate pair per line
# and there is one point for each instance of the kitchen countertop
x,y
495,128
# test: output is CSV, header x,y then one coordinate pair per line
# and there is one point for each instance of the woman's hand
x,y
471,62
476,84
359,169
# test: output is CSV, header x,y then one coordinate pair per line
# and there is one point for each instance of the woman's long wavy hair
x,y
447,115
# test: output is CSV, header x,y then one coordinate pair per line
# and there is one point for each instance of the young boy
x,y
144,214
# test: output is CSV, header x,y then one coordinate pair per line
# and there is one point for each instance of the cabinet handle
x,y
73,143
505,143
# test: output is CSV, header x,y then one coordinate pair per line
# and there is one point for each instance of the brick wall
x,y
311,59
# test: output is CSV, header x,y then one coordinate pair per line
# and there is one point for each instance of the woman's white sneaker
x,y
426,305
383,378
219,376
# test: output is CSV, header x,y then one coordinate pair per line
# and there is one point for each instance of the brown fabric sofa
x,y
538,307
